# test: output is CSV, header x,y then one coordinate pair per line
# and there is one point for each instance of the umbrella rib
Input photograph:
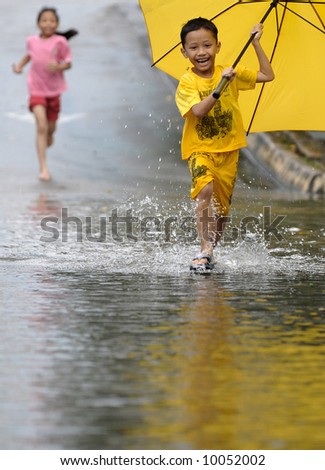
x,y
163,56
240,1
273,52
255,109
279,26
179,43
317,14
226,9
304,19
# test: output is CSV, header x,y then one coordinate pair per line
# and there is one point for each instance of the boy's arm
x,y
202,109
21,64
265,74
186,94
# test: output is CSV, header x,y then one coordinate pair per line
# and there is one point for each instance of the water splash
x,y
162,241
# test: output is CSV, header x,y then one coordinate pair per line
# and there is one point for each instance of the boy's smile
x,y
201,48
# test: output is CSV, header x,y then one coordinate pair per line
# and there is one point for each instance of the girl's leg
x,y
50,132
41,139
204,220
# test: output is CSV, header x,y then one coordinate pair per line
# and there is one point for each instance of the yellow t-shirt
x,y
222,129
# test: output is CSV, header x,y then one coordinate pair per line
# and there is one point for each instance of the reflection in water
x,y
44,206
247,377
198,366
197,363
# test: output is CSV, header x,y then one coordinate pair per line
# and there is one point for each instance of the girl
x,y
50,55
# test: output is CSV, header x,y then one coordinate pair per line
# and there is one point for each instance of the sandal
x,y
202,267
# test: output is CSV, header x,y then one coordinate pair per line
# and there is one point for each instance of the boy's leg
x,y
201,192
220,224
224,184
41,139
204,220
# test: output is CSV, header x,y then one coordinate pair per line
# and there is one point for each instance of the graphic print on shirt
x,y
217,125
197,171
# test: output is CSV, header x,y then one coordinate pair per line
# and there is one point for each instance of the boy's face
x,y
201,48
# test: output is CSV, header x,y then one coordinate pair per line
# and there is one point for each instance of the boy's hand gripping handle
x,y
224,82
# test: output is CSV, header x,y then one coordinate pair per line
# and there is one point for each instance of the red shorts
x,y
51,104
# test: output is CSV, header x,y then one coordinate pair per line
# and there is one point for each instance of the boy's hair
x,y
46,9
198,23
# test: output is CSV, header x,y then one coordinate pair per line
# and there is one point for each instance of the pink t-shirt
x,y
42,82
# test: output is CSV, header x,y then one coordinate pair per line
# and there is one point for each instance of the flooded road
x,y
106,340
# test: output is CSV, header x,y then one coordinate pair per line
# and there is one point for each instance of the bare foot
x,y
45,176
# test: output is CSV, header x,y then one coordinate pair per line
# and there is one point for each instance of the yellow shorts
x,y
221,168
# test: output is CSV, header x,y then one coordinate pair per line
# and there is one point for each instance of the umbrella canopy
x,y
293,39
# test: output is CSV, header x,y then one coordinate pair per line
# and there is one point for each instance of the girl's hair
x,y
198,23
70,33
46,9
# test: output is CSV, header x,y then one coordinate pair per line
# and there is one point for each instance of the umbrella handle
x,y
224,82
222,85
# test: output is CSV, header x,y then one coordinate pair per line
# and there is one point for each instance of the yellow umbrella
x,y
293,39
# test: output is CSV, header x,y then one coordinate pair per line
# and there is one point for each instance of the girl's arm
x,y
19,67
265,74
59,67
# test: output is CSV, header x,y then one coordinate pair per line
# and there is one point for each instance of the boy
x,y
213,131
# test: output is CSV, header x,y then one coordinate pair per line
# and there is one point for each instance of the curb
x,y
285,165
